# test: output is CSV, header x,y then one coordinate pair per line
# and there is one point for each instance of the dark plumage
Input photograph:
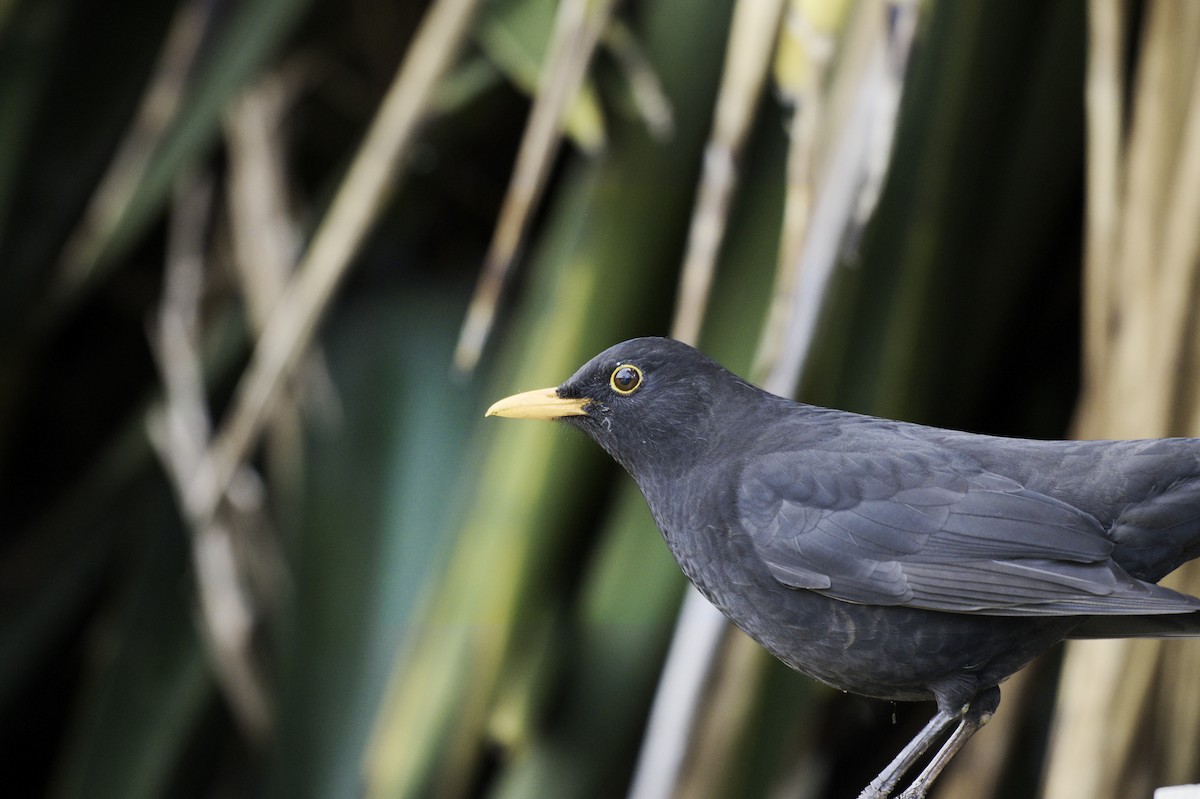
x,y
889,559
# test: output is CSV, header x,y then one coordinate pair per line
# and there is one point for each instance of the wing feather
x,y
910,529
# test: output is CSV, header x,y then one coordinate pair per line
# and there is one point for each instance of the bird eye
x,y
626,379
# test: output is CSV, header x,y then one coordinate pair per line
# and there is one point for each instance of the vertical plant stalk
x,y
266,241
265,237
578,27
1105,145
752,38
861,102
180,434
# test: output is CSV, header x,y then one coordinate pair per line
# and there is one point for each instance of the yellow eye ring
x,y
625,379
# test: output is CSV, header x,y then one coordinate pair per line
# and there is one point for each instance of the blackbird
x,y
884,558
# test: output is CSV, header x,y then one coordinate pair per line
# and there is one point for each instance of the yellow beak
x,y
541,404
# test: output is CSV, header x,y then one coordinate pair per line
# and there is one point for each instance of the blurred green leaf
x,y
376,517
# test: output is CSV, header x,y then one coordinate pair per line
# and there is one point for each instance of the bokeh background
x,y
263,264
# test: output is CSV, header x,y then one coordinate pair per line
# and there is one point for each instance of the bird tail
x,y
1176,625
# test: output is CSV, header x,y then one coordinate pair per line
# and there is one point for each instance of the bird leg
x,y
977,713
882,786
971,717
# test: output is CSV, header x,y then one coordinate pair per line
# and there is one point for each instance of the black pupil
x,y
626,379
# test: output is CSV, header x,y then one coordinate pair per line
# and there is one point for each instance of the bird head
x,y
649,402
